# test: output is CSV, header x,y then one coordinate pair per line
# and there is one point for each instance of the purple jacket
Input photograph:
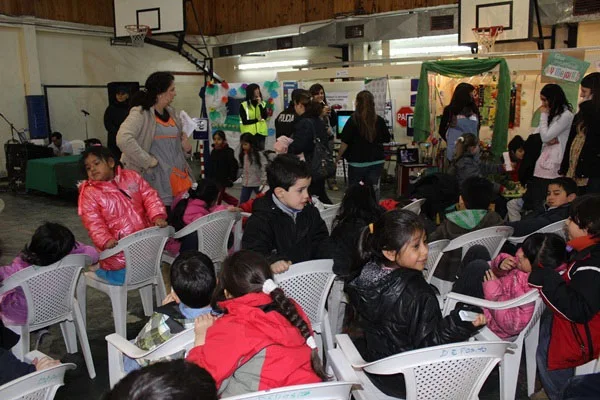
x,y
12,304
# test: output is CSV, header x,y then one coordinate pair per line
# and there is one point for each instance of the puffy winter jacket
x,y
117,208
223,166
574,299
509,285
276,235
399,312
537,220
252,347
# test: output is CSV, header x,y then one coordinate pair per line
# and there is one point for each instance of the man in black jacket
x,y
115,114
284,226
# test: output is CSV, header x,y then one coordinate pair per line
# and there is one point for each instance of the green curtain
x,y
460,69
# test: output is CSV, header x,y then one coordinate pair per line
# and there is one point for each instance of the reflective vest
x,y
253,112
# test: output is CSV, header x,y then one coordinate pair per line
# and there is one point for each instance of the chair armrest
x,y
341,367
517,240
452,298
245,214
349,350
193,227
125,346
127,240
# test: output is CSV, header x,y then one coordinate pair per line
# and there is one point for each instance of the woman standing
x,y
330,119
460,116
152,141
555,123
308,129
581,158
363,137
253,115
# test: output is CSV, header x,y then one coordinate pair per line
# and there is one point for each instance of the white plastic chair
x,y
529,336
451,371
78,146
142,251
213,232
314,391
436,251
329,214
491,238
118,346
309,283
39,385
50,296
557,227
415,206
238,231
591,367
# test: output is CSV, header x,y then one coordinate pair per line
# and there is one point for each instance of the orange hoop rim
x,y
489,30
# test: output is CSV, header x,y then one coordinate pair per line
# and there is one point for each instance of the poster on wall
x,y
514,118
379,88
564,68
223,102
340,101
487,104
288,88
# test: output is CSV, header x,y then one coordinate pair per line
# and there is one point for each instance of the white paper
x,y
507,163
188,124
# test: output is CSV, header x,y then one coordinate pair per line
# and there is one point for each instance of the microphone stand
x,y
14,130
85,116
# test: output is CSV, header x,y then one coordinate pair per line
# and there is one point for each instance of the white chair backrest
x,y
453,371
308,283
314,391
50,290
213,232
39,385
436,251
491,238
415,206
78,146
557,227
143,250
329,214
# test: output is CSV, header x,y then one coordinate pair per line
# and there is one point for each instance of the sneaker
x,y
540,395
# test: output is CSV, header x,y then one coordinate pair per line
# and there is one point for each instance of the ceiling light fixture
x,y
273,64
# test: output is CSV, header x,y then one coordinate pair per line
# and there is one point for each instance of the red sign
x,y
403,114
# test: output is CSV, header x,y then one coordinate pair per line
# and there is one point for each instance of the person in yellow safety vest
x,y
253,115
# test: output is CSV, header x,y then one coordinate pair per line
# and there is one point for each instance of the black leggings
x,y
472,271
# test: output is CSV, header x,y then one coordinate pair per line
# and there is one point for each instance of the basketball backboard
x,y
513,15
162,16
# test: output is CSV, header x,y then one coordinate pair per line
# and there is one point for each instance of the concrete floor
x,y
21,216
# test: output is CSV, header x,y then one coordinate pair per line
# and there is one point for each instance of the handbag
x,y
180,181
320,163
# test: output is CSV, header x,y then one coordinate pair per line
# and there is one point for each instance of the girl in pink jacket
x,y
199,201
50,243
114,203
505,278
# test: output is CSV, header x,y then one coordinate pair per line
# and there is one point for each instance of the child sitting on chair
x,y
193,281
505,278
50,243
114,203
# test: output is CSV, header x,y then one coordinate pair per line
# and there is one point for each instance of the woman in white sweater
x,y
555,124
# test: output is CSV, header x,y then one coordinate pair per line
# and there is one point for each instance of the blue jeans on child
x,y
552,381
246,193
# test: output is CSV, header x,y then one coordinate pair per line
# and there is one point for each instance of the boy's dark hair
x,y
567,184
392,231
548,250
57,135
285,170
193,278
245,272
477,193
206,190
359,204
101,152
463,144
171,380
515,144
49,243
585,212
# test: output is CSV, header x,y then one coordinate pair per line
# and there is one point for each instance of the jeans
x,y
473,268
583,387
370,175
246,193
552,381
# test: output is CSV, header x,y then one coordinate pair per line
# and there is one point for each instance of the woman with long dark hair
x,y
152,140
363,137
330,119
253,115
460,116
582,153
555,124
310,128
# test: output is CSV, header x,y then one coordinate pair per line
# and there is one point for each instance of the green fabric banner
x,y
460,69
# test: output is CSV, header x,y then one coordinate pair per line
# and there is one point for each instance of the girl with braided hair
x,y
263,340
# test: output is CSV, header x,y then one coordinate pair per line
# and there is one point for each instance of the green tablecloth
x,y
48,174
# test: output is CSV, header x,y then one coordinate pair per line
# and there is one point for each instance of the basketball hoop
x,y
138,34
486,37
